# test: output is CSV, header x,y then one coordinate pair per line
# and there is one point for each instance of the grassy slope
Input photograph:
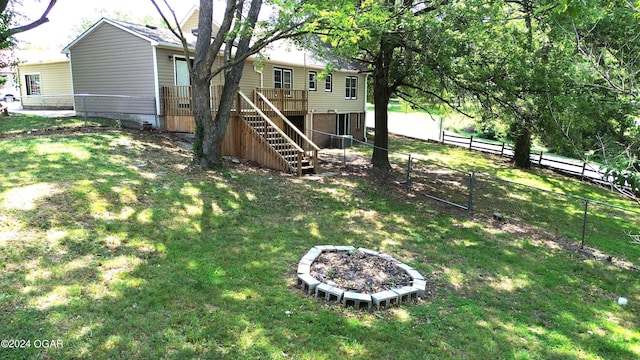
x,y
562,215
113,243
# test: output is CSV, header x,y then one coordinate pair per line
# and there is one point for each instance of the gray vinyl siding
x,y
55,85
111,61
166,67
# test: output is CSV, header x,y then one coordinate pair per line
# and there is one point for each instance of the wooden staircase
x,y
280,135
281,144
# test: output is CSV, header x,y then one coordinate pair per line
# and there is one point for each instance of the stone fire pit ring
x,y
315,287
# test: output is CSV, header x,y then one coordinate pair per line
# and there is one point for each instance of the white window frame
x,y
328,83
282,71
351,88
27,83
346,128
313,80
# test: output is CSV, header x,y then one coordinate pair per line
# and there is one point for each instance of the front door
x,y
182,72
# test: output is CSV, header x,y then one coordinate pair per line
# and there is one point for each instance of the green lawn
x,y
33,123
115,244
541,198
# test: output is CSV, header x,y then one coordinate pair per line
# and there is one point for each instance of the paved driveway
x,y
424,127
15,107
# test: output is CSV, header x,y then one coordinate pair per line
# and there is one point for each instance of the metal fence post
x,y
472,184
344,153
584,223
408,182
540,160
84,107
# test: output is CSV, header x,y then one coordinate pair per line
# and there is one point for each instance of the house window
x,y
313,81
358,122
328,83
351,89
342,124
32,82
282,78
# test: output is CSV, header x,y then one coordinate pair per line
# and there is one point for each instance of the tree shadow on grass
x,y
202,264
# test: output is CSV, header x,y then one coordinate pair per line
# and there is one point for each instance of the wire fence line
x,y
136,111
586,223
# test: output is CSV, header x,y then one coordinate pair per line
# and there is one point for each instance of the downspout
x,y
261,72
73,96
156,84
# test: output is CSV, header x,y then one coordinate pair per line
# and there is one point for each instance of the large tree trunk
x,y
205,127
210,131
223,115
522,148
200,87
381,96
380,158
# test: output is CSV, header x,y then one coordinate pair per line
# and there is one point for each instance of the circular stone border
x,y
313,286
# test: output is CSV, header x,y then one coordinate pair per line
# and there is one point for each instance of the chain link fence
x,y
603,229
123,110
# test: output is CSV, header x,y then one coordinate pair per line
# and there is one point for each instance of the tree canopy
x,y
564,73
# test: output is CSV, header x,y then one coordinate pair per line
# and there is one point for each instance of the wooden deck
x,y
258,129
177,106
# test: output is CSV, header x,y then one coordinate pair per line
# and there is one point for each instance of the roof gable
x,y
153,34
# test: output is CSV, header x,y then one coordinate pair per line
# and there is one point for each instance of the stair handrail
x,y
284,118
266,118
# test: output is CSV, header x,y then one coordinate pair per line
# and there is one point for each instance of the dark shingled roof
x,y
161,35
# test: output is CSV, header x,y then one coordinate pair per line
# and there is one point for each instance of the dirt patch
x,y
359,272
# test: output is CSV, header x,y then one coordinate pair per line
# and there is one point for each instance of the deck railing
x,y
267,125
290,129
289,101
177,100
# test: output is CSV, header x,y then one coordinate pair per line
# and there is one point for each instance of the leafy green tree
x,y
518,59
395,42
239,36
605,36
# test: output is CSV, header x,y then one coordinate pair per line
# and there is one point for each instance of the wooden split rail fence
x,y
581,169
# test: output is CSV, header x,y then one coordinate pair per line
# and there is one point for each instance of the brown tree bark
x,y
381,95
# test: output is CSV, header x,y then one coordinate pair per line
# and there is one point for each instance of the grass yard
x,y
34,123
114,244
554,203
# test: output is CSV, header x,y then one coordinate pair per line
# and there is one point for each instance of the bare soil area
x,y
359,272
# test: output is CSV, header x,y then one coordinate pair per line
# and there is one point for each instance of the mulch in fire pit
x,y
359,272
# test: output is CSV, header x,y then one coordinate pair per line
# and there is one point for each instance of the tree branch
x,y
43,19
